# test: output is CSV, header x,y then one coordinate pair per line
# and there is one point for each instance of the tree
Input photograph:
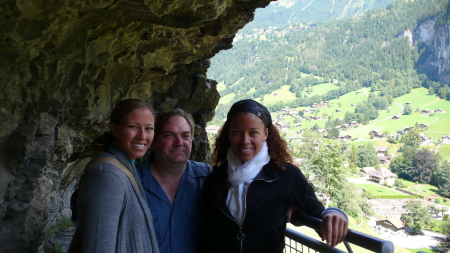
x,y
322,159
443,179
445,226
354,201
367,156
400,167
333,133
315,127
407,110
417,216
403,164
353,158
431,91
425,163
326,170
412,138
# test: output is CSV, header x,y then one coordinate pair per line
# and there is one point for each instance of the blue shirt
x,y
177,225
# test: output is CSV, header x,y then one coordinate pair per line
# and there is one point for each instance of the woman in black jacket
x,y
253,184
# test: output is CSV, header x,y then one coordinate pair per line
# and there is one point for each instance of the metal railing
x,y
297,242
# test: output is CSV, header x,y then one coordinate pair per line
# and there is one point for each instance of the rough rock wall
x,y
435,38
63,66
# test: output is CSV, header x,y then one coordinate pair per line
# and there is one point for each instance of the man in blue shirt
x,y
173,183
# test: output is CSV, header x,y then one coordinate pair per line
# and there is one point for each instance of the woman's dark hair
x,y
119,112
278,148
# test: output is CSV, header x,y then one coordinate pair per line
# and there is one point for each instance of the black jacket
x,y
268,198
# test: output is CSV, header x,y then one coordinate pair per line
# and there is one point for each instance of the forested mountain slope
x,y
291,12
374,50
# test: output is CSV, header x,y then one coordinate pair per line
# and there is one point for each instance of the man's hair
x,y
163,117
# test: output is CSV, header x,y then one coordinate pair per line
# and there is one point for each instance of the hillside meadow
x,y
419,99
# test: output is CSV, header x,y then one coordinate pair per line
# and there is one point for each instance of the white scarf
x,y
240,176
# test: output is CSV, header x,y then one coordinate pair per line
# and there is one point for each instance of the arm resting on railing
x,y
357,238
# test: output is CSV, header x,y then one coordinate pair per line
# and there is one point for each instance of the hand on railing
x,y
360,239
334,228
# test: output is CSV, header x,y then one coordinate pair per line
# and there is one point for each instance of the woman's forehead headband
x,y
250,105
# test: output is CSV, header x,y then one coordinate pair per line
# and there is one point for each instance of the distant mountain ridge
x,y
294,12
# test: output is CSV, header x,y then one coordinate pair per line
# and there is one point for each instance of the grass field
x,y
437,226
282,94
406,183
444,150
426,190
389,125
344,104
321,89
423,189
441,125
379,191
425,250
418,98
226,99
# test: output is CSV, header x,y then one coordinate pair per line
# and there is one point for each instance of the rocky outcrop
x,y
433,37
63,66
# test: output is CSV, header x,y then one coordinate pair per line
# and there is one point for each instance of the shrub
x,y
399,183
392,140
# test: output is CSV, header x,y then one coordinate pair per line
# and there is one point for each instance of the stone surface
x,y
435,37
63,66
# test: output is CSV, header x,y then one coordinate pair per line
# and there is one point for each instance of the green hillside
x,y
369,52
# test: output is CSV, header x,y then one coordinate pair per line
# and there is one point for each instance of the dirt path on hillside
x,y
437,99
435,118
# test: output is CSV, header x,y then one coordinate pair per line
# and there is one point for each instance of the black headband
x,y
250,105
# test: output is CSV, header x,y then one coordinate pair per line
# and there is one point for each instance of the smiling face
x,y
247,134
135,132
174,141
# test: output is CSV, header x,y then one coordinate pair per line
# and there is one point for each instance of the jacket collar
x,y
268,173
